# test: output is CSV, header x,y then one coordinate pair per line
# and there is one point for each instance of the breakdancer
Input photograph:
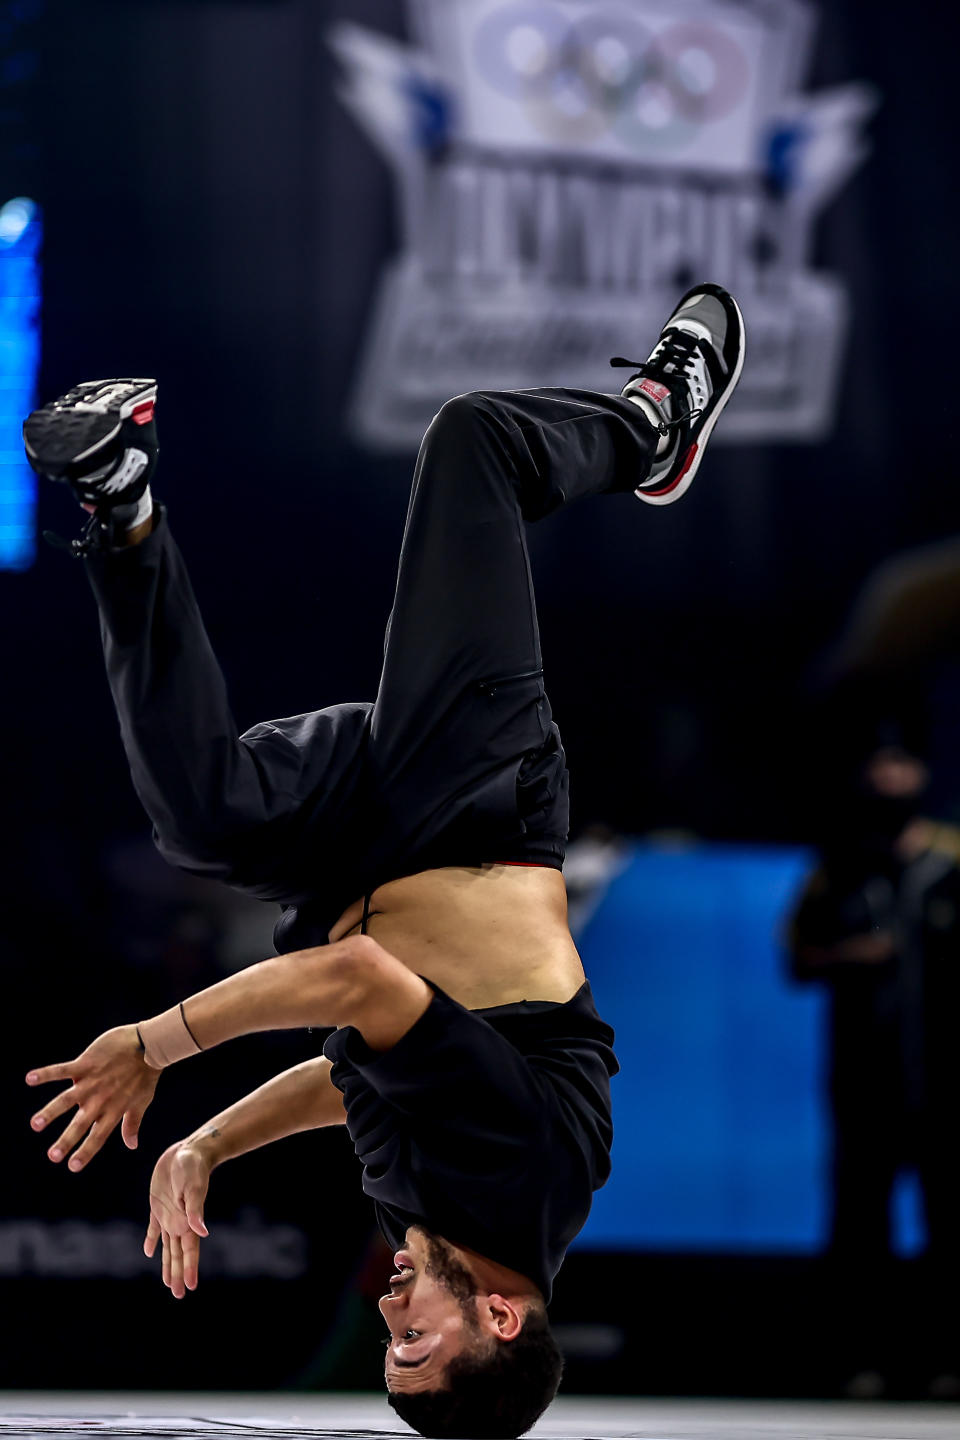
x,y
415,845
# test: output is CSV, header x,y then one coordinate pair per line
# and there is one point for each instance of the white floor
x,y
29,1413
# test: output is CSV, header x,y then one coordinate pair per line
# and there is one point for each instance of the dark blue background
x,y
215,218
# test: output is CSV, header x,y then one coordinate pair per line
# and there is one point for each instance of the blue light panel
x,y
720,1116
720,1129
20,236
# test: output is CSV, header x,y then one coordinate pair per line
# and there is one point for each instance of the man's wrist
x,y
208,1143
167,1038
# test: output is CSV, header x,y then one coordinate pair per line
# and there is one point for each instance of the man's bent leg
x,y
266,811
461,691
222,805
464,608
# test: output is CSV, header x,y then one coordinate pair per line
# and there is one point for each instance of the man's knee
x,y
464,414
456,414
470,435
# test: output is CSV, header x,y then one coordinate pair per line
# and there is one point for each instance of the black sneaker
x,y
100,439
688,379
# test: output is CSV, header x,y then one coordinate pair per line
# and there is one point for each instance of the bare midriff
x,y
491,935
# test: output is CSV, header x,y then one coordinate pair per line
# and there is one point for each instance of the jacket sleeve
x,y
809,931
229,807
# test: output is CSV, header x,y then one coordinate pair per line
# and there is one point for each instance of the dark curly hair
x,y
493,1392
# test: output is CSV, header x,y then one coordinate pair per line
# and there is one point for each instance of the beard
x,y
444,1267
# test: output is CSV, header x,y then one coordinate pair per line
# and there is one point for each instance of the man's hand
x,y
872,948
178,1189
111,1082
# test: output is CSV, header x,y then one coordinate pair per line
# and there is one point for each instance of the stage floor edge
x,y
29,1413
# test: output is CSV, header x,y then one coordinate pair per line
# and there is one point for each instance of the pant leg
x,y
865,1164
941,1265
461,694
257,811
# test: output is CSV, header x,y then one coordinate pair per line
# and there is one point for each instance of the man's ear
x,y
502,1318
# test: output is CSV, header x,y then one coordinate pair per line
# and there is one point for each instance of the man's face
x,y
431,1311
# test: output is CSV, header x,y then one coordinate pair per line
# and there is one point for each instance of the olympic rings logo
x,y
608,73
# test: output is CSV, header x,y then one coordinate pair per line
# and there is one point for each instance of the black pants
x,y
458,761
875,1136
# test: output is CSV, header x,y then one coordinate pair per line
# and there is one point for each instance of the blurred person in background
x,y
878,925
899,654
415,846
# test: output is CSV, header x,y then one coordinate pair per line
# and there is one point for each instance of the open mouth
x,y
404,1264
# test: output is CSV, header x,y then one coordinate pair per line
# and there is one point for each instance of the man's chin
x,y
413,1385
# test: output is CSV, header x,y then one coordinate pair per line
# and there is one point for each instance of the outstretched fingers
x,y
97,1136
190,1246
179,1256
130,1127
151,1237
56,1107
193,1197
175,1271
110,1080
51,1073
72,1136
83,1127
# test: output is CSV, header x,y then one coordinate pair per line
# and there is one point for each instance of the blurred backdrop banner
x,y
564,167
314,221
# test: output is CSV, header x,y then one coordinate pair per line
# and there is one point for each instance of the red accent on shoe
x,y
688,461
656,392
143,414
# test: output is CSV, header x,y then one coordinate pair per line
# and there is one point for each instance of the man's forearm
x,y
304,988
353,982
320,986
815,961
300,1099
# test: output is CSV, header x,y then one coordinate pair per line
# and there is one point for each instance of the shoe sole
x,y
681,484
59,436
